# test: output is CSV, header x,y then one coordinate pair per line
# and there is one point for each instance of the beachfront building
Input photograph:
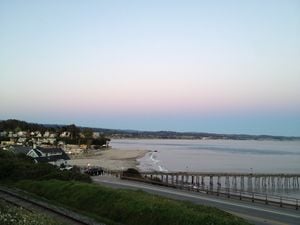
x,y
54,156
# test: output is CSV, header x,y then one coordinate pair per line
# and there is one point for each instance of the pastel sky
x,y
213,66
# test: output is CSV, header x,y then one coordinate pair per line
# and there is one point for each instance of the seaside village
x,y
51,146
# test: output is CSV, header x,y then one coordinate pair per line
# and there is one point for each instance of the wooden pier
x,y
235,181
258,187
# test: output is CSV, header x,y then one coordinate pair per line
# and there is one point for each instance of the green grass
x,y
110,206
127,207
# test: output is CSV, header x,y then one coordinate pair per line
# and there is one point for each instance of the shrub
x,y
132,173
18,167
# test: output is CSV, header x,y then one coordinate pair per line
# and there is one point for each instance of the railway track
x,y
61,214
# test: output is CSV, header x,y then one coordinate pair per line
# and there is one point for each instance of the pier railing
x,y
282,201
260,182
242,186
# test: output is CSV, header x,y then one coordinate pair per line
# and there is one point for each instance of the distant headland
x,y
18,125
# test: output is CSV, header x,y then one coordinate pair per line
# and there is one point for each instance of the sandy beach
x,y
112,159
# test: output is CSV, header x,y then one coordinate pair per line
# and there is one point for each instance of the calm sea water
x,y
218,156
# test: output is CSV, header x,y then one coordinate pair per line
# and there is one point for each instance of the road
x,y
255,213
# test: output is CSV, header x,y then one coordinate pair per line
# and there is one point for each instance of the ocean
x,y
216,155
240,156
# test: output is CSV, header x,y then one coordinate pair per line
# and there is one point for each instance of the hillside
x,y
12,125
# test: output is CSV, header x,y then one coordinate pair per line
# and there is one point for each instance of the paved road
x,y
255,213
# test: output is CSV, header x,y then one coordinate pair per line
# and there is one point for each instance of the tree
x,y
73,130
17,129
88,133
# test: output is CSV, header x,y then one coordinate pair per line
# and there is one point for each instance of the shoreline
x,y
112,159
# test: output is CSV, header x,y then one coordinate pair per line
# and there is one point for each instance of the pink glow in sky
x,y
156,65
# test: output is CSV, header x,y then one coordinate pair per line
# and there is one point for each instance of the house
x,y
37,134
54,156
12,135
65,134
7,143
22,133
61,143
96,135
21,140
3,134
46,134
52,141
53,135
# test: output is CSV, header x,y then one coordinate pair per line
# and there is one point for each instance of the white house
x,y
65,134
22,134
54,156
96,134
46,134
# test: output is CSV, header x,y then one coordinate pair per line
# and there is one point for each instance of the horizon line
x,y
156,131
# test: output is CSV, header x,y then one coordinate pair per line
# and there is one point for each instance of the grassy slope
x,y
127,207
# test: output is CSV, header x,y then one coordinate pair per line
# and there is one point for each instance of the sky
x,y
209,66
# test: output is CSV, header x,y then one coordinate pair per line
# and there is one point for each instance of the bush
x,y
132,173
17,167
6,154
66,175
